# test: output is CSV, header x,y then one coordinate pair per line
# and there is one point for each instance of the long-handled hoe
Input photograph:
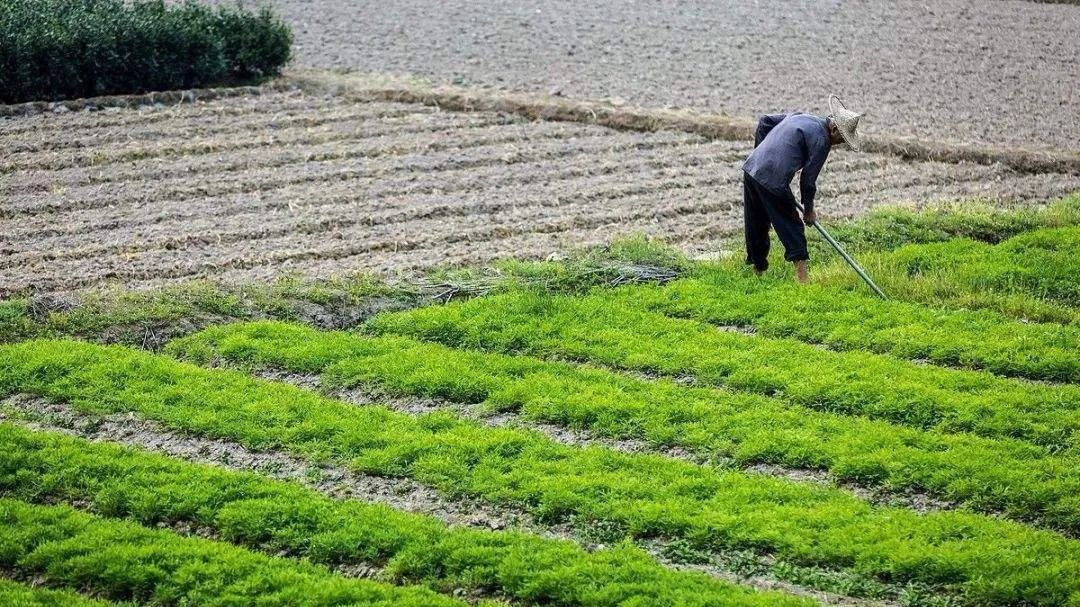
x,y
851,262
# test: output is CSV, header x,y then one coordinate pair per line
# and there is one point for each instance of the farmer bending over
x,y
783,145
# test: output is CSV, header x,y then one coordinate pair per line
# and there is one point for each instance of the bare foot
x,y
800,272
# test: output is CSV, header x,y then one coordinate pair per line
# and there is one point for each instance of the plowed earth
x,y
247,188
1002,73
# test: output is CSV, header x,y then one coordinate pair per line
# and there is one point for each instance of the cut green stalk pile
x,y
856,320
124,561
600,328
989,561
987,474
275,516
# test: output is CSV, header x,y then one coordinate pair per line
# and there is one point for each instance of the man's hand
x,y
810,218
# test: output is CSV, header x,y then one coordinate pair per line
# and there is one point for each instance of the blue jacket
x,y
784,144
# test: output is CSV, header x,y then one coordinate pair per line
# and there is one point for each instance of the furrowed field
x,y
251,186
625,427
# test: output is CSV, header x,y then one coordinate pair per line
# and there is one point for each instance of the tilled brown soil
x,y
245,188
1000,72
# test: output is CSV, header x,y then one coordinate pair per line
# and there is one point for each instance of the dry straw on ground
x,y
31,108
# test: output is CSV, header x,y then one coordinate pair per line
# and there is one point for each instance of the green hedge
x,y
57,49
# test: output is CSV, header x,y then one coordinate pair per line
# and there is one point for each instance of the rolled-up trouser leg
x,y
788,223
756,224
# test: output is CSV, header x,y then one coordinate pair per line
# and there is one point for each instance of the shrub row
x,y
989,560
853,320
275,516
601,328
125,561
57,49
985,474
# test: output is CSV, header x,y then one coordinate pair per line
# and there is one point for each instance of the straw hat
x,y
845,120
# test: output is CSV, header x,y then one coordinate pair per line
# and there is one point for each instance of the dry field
x,y
255,186
1003,72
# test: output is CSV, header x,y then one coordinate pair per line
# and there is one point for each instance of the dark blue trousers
x,y
763,207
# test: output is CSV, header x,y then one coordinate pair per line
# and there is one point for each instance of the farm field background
x,y
358,337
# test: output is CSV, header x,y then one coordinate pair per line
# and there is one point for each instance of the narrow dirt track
x,y
314,184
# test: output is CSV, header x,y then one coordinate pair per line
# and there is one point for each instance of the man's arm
x,y
766,124
819,151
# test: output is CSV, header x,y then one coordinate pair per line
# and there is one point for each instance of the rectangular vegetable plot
x,y
988,560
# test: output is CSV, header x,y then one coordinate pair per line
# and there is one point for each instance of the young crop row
x,y
992,281
16,594
125,561
416,152
421,242
1041,263
853,320
223,103
407,146
339,210
892,227
989,560
376,129
182,198
602,328
274,516
181,129
985,474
